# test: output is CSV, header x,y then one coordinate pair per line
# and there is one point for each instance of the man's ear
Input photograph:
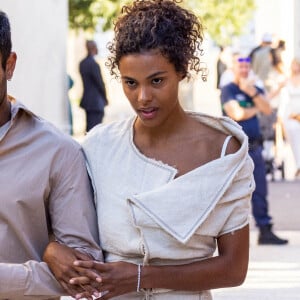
x,y
10,65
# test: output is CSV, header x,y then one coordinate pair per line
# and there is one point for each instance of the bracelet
x,y
138,286
256,94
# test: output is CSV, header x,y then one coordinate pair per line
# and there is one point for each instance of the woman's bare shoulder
x,y
215,138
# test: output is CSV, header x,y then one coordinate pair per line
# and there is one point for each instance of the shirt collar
x,y
17,106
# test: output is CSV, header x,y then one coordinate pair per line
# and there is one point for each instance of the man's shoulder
x,y
56,136
254,50
229,92
40,132
57,145
87,63
231,86
86,60
262,52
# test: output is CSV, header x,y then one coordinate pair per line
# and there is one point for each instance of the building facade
x,y
39,35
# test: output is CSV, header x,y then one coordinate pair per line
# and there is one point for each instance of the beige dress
x,y
146,215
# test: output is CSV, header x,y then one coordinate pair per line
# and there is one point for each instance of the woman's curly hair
x,y
158,24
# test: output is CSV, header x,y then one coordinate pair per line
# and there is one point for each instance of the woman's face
x,y
150,82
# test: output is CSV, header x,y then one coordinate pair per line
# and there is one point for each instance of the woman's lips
x,y
148,113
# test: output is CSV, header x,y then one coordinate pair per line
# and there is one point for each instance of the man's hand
x,y
60,260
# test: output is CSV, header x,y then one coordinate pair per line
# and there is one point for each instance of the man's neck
x,y
5,113
236,81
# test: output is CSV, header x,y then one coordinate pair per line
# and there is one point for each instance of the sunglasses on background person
x,y
244,59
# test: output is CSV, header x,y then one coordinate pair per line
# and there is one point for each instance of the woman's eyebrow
x,y
156,74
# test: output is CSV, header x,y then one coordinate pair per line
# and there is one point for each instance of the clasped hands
x,y
82,277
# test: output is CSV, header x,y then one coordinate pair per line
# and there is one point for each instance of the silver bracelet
x,y
138,286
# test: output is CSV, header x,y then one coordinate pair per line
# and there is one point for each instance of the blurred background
x,y
49,39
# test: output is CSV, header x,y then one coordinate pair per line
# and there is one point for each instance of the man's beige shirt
x,y
44,187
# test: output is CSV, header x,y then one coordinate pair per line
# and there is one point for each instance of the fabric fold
x,y
173,205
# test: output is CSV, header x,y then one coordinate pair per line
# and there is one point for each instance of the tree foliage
x,y
222,19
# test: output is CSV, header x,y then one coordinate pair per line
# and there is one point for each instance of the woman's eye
x,y
157,80
130,83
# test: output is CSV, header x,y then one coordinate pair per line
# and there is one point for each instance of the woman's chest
x,y
185,155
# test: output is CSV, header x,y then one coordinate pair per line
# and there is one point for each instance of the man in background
x,y
242,100
261,59
94,97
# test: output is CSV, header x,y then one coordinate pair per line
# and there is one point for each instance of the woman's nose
x,y
144,94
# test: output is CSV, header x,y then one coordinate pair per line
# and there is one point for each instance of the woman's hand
x,y
227,269
113,279
60,260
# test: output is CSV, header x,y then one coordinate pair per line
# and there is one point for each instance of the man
x,y
44,192
261,59
221,66
242,100
94,95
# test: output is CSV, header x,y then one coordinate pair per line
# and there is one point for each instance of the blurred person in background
x,y
221,66
70,83
261,60
278,54
269,124
242,100
94,98
289,111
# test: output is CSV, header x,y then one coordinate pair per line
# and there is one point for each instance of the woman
x,y
171,186
289,112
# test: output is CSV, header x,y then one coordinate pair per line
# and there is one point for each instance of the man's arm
x,y
259,99
71,206
31,278
262,103
238,113
73,220
73,216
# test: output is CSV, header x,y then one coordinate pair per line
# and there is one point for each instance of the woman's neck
x,y
169,129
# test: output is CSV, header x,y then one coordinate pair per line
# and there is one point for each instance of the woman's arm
x,y
228,268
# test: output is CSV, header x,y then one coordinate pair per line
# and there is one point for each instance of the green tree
x,y
223,19
85,14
